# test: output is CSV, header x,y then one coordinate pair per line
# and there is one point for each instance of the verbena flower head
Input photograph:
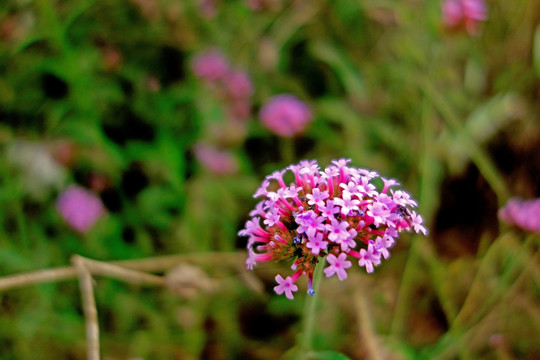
x,y
285,115
337,213
524,214
80,208
464,13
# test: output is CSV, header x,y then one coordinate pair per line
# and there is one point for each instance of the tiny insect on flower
x,y
336,213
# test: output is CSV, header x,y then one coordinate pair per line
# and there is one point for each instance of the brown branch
x,y
131,271
121,273
37,277
89,307
154,264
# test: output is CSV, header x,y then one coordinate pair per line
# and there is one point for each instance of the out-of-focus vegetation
x,y
101,94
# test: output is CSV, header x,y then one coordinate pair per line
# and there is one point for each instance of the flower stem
x,y
287,150
309,312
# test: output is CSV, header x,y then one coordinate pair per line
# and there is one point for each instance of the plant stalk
x,y
306,344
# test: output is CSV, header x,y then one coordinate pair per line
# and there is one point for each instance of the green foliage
x,y
327,355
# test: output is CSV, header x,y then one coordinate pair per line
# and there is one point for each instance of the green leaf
x,y
482,125
349,74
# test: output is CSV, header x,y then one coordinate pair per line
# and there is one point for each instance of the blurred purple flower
x,y
260,5
255,5
216,161
285,115
238,84
524,214
464,13
79,207
234,86
210,65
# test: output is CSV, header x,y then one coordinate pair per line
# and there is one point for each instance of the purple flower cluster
x,y
336,213
524,214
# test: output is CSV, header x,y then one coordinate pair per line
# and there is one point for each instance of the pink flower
x,y
285,115
524,214
80,208
260,5
216,161
286,286
255,5
210,66
337,266
309,223
233,86
337,230
317,197
304,222
239,84
368,258
208,8
464,13
316,243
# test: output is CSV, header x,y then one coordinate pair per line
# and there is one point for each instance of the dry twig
x,y
89,308
153,264
131,271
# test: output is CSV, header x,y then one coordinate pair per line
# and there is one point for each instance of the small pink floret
x,y
286,286
337,266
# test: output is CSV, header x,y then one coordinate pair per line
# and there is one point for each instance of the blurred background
x,y
134,129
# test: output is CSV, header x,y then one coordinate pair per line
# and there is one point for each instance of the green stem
x,y
287,150
21,224
306,344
